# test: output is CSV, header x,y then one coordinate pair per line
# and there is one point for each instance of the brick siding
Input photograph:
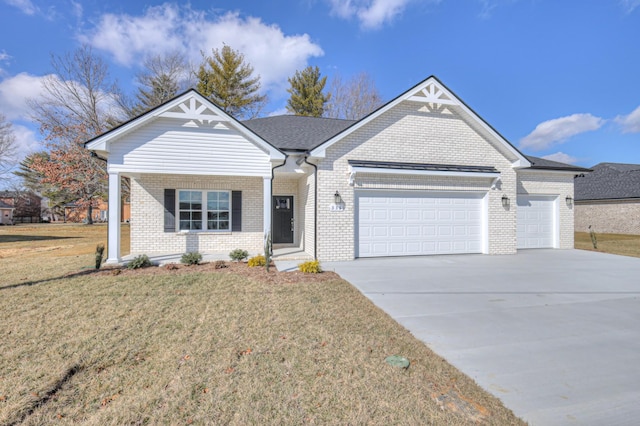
x,y
147,211
611,217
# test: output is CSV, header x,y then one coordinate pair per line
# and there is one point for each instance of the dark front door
x,y
282,219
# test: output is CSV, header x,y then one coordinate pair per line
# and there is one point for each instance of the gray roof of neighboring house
x,y
609,181
4,205
296,133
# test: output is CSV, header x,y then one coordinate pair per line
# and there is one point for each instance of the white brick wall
x,y
550,183
407,133
147,216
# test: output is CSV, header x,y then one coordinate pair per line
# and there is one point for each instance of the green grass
x,y
218,347
625,245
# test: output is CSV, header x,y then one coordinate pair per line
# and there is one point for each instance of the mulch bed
x,y
222,267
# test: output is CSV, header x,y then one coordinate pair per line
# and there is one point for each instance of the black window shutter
x,y
236,211
169,210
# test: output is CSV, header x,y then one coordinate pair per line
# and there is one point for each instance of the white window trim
x,y
203,211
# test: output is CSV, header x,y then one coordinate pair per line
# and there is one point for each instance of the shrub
x,y
258,260
138,262
310,267
99,255
238,255
191,258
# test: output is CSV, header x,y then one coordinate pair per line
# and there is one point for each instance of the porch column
x,y
113,253
266,185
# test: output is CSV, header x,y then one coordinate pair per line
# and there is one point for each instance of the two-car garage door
x,y
402,223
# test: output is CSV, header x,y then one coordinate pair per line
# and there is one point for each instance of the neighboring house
x,y
423,174
27,205
74,212
608,199
6,213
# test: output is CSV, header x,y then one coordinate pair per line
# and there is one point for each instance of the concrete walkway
x,y
555,334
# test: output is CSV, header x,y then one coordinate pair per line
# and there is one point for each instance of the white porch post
x,y
114,219
266,185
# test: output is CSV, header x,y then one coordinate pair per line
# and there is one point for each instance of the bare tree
x,y
8,146
163,77
78,103
354,98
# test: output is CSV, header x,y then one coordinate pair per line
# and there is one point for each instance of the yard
x,y
625,245
200,345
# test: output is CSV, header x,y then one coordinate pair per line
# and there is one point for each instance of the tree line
x,y
80,101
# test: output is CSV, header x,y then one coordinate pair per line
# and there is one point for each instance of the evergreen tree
x,y
228,81
306,93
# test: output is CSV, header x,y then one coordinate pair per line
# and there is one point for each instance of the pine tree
x,y
228,81
306,93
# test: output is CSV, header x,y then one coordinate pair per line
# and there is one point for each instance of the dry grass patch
x,y
625,245
205,345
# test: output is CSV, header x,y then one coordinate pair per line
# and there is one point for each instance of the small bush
x,y
238,255
310,267
258,260
192,258
138,262
99,255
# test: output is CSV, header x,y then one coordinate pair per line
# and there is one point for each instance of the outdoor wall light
x,y
505,201
569,201
337,198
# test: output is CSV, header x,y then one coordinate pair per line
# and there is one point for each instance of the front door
x,y
282,219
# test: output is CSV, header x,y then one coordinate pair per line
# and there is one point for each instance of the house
x,y
27,205
75,212
608,199
6,213
423,174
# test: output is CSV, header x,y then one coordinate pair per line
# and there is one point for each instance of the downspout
x,y
315,206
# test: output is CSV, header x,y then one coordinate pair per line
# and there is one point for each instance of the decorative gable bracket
x,y
193,109
432,94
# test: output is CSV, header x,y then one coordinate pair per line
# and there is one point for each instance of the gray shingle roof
x,y
609,181
544,164
4,205
296,133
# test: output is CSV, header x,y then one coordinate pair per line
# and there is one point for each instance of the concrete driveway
x,y
555,334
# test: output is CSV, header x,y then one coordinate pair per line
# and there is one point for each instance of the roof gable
x,y
189,109
436,97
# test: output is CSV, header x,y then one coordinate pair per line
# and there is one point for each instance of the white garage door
x,y
536,219
418,223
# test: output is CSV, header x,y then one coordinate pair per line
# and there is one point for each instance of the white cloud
x,y
274,55
561,157
630,123
27,141
629,5
372,14
24,5
4,56
558,130
14,92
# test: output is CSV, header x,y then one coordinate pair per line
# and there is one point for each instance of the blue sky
x,y
558,79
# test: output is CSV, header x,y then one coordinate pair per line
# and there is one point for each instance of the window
x,y
209,210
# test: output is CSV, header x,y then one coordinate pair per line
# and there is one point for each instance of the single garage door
x,y
536,221
411,223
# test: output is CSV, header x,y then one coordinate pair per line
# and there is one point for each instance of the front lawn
x,y
205,346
